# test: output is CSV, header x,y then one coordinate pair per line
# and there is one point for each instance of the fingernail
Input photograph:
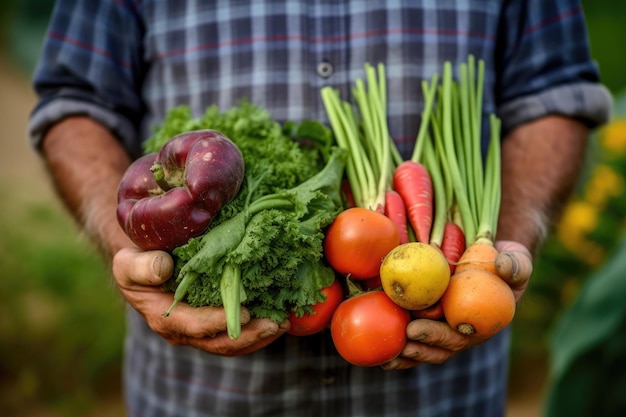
x,y
157,266
414,355
420,337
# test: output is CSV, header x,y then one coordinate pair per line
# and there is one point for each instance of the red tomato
x,y
358,240
323,312
369,329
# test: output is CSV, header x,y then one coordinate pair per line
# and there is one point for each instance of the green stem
x,y
215,244
367,121
370,155
181,290
489,215
159,176
440,206
460,191
353,289
468,142
443,164
268,202
232,293
166,180
381,137
361,161
358,171
457,128
439,151
429,98
476,124
395,154
376,138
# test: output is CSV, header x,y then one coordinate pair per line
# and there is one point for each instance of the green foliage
x,y
605,21
62,321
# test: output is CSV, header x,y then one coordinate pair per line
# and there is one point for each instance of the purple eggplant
x,y
166,198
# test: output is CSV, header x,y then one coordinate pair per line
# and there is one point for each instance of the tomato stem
x,y
353,289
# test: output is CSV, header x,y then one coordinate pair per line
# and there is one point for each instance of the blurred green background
x,y
61,319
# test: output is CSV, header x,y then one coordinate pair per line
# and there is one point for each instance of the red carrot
x,y
347,193
434,312
396,211
412,181
452,244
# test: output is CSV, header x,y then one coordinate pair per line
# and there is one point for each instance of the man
x,y
111,69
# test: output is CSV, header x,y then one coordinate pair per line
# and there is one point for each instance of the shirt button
x,y
324,69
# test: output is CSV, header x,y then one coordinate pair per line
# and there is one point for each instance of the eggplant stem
x,y
159,176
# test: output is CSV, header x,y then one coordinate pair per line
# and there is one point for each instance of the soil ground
x,y
22,168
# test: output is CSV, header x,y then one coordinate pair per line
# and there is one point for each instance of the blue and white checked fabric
x,y
126,62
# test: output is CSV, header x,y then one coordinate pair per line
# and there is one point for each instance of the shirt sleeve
x,y
546,65
91,64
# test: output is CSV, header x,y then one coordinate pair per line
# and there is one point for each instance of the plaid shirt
x,y
125,63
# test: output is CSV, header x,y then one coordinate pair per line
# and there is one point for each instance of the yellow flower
x,y
603,184
613,136
579,218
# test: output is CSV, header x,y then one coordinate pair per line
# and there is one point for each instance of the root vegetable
x,y
395,209
434,312
453,244
477,300
478,303
415,275
412,181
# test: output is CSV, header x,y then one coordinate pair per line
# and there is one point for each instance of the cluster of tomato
x,y
367,327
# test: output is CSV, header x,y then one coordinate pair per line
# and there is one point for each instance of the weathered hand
x,y
514,265
139,276
432,341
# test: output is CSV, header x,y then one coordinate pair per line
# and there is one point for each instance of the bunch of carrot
x,y
447,195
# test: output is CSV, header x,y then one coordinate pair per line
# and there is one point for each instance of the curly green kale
x,y
265,248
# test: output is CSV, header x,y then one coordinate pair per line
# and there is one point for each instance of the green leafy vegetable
x,y
265,248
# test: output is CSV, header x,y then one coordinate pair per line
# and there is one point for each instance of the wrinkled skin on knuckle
x,y
218,347
434,342
198,330
441,357
175,340
428,354
160,327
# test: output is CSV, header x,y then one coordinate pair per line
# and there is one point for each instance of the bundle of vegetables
x,y
477,301
463,203
263,248
443,204
368,328
362,235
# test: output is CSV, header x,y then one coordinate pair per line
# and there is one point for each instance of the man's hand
x,y
87,163
139,276
435,342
